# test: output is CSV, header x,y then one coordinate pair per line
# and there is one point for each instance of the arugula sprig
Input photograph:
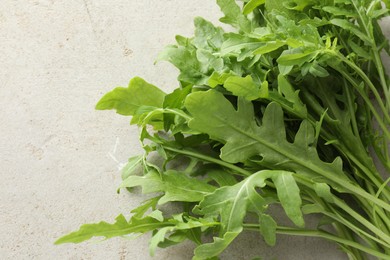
x,y
278,111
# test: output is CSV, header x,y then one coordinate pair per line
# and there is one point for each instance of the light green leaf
x,y
252,5
140,211
120,228
288,194
288,59
233,202
219,78
131,166
181,187
245,87
157,214
184,58
174,100
126,101
267,227
182,227
233,15
158,238
207,36
150,182
176,186
237,44
206,251
269,47
323,191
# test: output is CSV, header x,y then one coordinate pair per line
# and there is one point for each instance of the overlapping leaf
x,y
176,186
243,138
231,203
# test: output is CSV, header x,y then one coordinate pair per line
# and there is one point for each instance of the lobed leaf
x,y
126,101
245,87
120,228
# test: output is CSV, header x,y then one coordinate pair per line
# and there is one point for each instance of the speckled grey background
x,y
59,157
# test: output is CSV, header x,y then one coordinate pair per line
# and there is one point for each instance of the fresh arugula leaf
x,y
126,101
120,228
233,15
175,185
245,87
252,5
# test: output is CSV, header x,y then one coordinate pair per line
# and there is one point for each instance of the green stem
x,y
209,159
333,213
369,84
362,220
320,234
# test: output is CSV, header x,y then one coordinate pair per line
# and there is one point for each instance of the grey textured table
x,y
59,157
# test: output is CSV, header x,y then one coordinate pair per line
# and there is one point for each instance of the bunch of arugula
x,y
279,111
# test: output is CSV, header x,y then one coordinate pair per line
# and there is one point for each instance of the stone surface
x,y
59,157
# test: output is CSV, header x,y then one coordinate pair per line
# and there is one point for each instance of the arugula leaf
x,y
120,228
126,101
252,5
267,226
175,185
233,15
232,203
243,138
245,87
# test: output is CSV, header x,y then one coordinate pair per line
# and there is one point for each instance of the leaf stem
x,y
193,154
320,234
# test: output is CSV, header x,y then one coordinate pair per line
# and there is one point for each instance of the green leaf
x,y
185,59
317,70
252,5
323,191
233,202
175,185
245,87
180,187
174,100
233,15
243,138
131,166
222,177
207,36
182,227
291,95
269,47
346,25
140,211
267,227
288,59
215,248
236,44
288,194
158,238
126,101
334,10
219,78
150,182
120,228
